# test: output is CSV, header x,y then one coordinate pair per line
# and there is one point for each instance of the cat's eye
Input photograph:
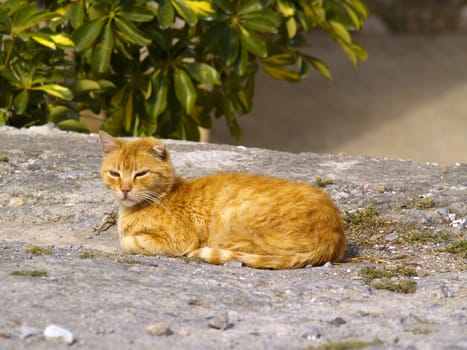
x,y
114,173
141,173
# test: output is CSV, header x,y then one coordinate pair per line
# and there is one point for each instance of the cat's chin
x,y
128,203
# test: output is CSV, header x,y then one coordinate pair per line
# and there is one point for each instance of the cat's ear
x,y
108,143
160,151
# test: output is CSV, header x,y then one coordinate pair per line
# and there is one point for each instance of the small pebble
x,y
159,329
311,333
221,321
392,236
60,334
234,263
328,264
183,332
338,321
25,332
15,202
352,250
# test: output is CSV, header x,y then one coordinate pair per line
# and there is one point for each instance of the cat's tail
x,y
274,262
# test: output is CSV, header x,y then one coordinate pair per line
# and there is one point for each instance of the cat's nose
x,y
125,192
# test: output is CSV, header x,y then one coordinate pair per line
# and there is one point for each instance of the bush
x,y
162,69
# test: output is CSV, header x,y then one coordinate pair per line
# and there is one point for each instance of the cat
x,y
263,222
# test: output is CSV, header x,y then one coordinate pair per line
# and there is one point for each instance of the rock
x,y
392,236
15,202
338,321
273,309
58,334
26,332
221,321
352,250
159,329
183,332
311,333
234,263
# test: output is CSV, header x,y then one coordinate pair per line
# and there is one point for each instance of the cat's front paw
x,y
129,245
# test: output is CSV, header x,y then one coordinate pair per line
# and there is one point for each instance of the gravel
x,y
51,197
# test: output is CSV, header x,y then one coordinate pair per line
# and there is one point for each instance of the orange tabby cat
x,y
261,221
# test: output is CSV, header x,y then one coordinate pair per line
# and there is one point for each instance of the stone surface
x,y
108,299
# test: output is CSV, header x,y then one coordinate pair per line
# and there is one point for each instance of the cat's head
x,y
139,172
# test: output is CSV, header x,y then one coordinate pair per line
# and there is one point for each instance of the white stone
x,y
60,334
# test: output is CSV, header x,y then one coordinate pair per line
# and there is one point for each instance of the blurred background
x,y
408,100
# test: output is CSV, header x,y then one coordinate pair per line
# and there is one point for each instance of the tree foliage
x,y
158,68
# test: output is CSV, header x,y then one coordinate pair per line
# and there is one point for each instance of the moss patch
x,y
37,250
109,256
395,279
458,248
347,345
425,236
366,215
323,182
31,273
425,203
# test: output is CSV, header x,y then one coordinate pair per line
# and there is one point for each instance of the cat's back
x,y
225,188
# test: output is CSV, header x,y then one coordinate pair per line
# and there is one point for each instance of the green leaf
x,y
184,90
319,65
72,125
253,43
241,65
225,5
76,14
230,41
3,118
285,8
5,23
128,111
58,112
29,16
137,14
20,102
157,103
250,6
349,51
62,39
201,8
185,11
85,85
165,13
281,59
361,53
291,26
360,8
87,34
203,72
353,16
340,32
103,51
266,21
44,40
282,73
55,90
132,33
191,130
106,84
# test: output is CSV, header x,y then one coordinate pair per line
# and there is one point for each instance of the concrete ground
x,y
409,100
